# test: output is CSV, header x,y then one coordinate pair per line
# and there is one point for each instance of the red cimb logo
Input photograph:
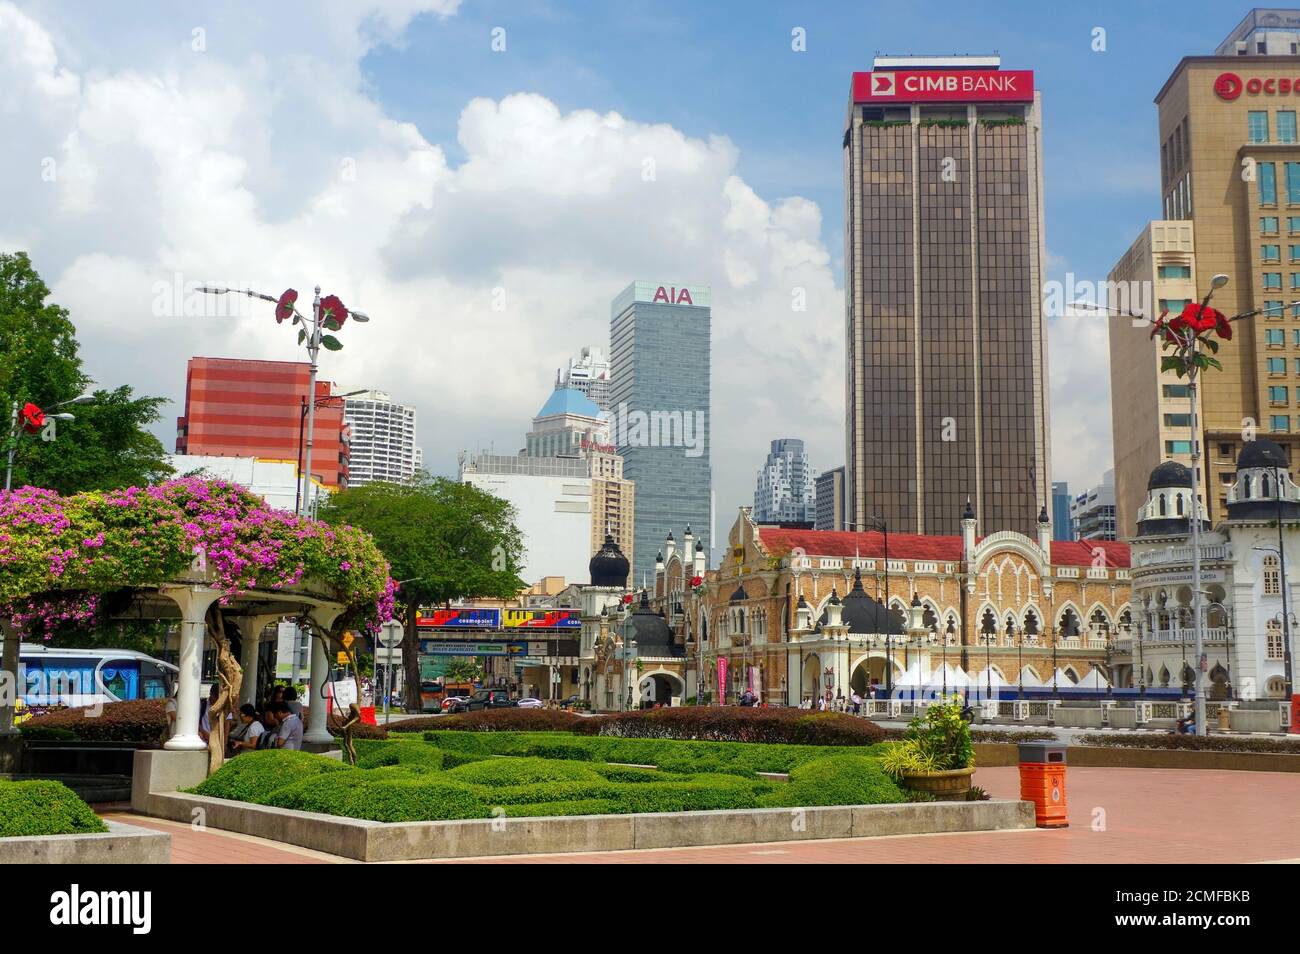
x,y
1227,86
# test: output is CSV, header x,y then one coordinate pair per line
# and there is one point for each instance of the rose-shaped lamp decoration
x,y
332,312
284,307
33,418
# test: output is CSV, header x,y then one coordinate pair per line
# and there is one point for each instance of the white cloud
x,y
260,165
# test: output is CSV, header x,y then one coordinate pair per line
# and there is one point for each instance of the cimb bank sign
x,y
937,86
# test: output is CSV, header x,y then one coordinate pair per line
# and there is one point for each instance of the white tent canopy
x,y
1029,678
1094,680
985,675
1064,680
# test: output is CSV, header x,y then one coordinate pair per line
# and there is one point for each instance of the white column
x,y
9,674
250,630
318,716
193,602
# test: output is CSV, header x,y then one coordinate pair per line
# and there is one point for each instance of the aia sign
x,y
1229,86
671,295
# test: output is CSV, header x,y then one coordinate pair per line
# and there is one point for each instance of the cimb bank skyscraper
x,y
660,413
946,345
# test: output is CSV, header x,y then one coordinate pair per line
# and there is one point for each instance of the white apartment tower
x,y
382,439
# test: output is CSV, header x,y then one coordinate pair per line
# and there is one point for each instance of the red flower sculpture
x,y
627,597
1190,337
33,418
332,308
284,307
696,581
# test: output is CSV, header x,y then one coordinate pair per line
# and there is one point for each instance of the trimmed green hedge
x,y
462,777
44,808
251,776
137,720
670,755
1196,743
836,780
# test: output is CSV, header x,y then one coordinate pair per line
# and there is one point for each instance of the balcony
x,y
1181,555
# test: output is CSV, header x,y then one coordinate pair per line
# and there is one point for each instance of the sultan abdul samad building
x,y
792,613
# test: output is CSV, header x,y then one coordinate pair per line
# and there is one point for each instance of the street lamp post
x,y
1020,663
302,420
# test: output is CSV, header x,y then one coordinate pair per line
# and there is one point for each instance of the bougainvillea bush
x,y
60,555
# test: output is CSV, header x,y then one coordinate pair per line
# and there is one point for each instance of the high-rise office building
x,y
1062,528
660,412
240,408
786,490
381,439
1150,412
946,346
830,500
1230,165
588,374
1092,513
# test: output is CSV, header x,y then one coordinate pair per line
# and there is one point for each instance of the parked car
x,y
529,703
488,699
455,704
572,702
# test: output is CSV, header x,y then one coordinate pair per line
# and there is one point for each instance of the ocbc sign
x,y
1229,86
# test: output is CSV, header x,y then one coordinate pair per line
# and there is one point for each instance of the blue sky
x,y
728,69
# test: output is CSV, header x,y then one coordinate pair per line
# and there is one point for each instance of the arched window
x,y
1164,507
929,620
1031,623
1069,625
1245,486
1272,576
1265,488
1180,504
1275,687
1274,637
988,624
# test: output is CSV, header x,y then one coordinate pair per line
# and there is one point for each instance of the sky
x,y
472,173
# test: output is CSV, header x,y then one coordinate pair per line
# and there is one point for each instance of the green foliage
x,y
836,780
521,771
446,539
397,794
736,724
462,669
136,720
45,733
943,737
251,776
905,758
108,445
44,808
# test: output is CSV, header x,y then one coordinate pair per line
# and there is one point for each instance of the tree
x,y
463,669
107,445
444,541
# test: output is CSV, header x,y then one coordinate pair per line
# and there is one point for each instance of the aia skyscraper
x,y
660,415
945,337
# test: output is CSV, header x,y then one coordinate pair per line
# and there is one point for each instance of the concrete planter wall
x,y
120,845
407,841
992,754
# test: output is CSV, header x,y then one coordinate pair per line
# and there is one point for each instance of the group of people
x,y
276,725
832,703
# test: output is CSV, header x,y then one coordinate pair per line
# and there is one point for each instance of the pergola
x,y
187,600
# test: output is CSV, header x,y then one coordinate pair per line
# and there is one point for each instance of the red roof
x,y
1080,552
911,546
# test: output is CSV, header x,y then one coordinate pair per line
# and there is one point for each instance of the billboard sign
x,y
667,293
541,619
437,647
466,618
939,86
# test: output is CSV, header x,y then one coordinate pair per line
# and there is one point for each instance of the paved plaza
x,y
1116,816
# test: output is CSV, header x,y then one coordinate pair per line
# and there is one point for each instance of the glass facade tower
x,y
660,413
945,335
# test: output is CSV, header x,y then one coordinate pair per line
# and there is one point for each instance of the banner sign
x,y
937,86
541,619
722,678
466,618
434,647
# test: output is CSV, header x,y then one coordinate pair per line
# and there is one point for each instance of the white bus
x,y
88,677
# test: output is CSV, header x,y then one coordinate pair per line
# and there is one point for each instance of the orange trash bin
x,y
1042,781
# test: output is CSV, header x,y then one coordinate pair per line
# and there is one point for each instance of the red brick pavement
x,y
1116,816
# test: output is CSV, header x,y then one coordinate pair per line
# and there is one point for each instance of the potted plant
x,y
936,755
